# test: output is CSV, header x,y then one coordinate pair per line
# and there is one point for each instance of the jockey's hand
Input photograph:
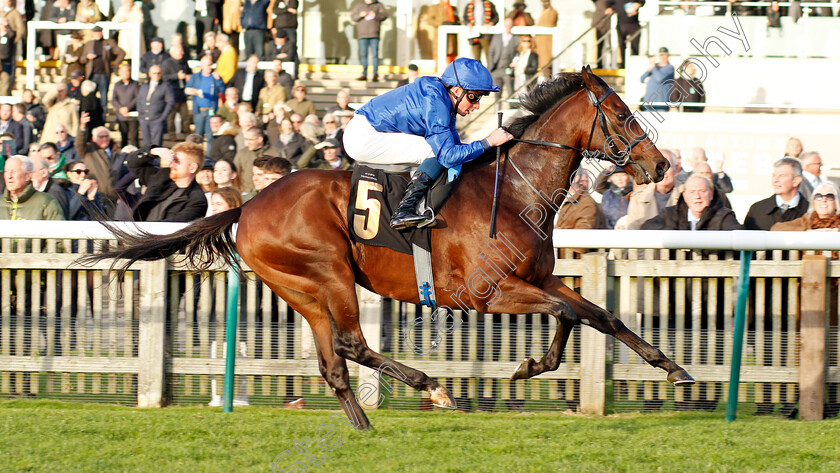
x,y
499,137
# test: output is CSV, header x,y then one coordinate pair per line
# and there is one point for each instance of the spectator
x,y
281,48
223,145
344,117
270,95
266,170
580,211
100,57
793,148
66,143
297,121
650,200
209,47
481,14
206,14
126,91
15,20
8,37
87,11
412,73
229,108
368,14
272,128
149,27
8,125
811,164
342,101
602,30
155,56
21,201
300,104
91,105
723,185
27,130
35,112
224,199
62,12
688,83
441,14
284,21
785,204
82,187
62,111
526,62
256,145
42,182
283,78
254,21
176,72
129,12
657,90
519,16
49,151
327,157
172,195
226,65
628,25
204,177
331,128
155,102
250,81
231,11
698,208
74,86
99,153
503,48
547,18
73,54
822,213
226,175
614,195
205,86
247,120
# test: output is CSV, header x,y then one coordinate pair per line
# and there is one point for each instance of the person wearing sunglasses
x,y
414,125
823,213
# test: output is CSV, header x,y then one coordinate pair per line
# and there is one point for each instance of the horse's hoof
x,y
441,398
680,377
524,370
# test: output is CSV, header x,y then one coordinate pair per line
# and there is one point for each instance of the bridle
x,y
606,125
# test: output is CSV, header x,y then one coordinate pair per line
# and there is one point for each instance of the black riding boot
x,y
406,215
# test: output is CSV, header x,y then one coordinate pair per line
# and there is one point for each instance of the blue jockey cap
x,y
468,74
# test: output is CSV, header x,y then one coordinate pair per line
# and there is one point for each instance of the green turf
x,y
56,436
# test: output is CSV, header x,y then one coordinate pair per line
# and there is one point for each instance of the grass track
x,y
59,436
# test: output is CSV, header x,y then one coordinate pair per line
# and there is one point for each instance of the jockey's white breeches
x,y
366,145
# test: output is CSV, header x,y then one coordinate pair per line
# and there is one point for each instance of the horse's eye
x,y
622,117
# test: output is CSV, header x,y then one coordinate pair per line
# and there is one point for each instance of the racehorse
x,y
294,235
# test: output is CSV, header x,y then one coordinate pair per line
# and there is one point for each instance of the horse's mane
x,y
543,98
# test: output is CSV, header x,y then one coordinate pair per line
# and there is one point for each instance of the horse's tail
x,y
202,242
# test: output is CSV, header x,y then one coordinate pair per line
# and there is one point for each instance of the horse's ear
x,y
589,79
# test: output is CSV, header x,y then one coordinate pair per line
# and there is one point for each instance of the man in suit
x,y
155,102
8,125
811,164
785,204
502,51
176,72
154,56
100,57
125,102
249,81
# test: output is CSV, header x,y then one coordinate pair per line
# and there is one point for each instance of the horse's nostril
x,y
661,168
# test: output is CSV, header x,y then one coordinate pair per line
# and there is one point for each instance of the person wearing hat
x,y
326,156
74,52
415,125
614,185
155,55
74,85
658,88
100,57
520,16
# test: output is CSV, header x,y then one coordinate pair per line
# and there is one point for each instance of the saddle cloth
x,y
374,196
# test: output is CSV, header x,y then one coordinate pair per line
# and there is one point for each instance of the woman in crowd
x,y
92,105
224,199
87,11
129,12
226,175
209,47
87,189
793,148
614,200
525,63
290,144
822,215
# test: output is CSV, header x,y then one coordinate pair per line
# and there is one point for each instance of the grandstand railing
x,y
158,336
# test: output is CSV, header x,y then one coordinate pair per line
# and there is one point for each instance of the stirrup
x,y
428,223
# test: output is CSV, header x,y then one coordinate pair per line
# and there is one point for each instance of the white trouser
x,y
366,145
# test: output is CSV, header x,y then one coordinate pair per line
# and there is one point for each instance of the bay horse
x,y
294,235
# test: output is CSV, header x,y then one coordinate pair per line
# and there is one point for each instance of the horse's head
x,y
619,135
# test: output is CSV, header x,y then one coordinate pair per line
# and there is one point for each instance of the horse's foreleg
x,y
603,321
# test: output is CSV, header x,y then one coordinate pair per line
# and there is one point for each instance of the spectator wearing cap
x,y
204,87
172,195
254,21
614,187
519,16
412,75
100,57
224,144
327,157
256,146
61,111
226,65
154,104
657,90
20,200
7,55
368,15
300,104
126,91
249,81
154,56
74,85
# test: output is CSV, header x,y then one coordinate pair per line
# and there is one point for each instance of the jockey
x,y
415,125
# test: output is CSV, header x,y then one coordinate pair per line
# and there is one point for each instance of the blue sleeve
x,y
443,137
645,75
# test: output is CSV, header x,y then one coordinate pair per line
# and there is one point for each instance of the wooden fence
x,y
158,336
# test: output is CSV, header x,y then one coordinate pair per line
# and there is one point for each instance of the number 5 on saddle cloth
x,y
374,196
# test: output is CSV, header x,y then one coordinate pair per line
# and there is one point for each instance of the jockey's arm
x,y
450,152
